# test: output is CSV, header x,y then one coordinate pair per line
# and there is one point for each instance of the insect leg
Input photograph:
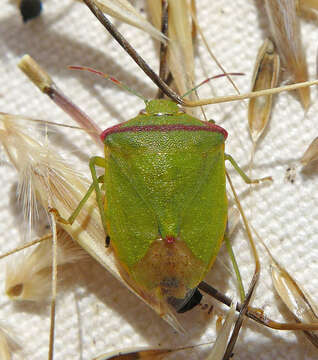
x,y
93,162
79,207
235,266
246,178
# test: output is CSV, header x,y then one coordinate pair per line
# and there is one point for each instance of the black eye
x,y
30,9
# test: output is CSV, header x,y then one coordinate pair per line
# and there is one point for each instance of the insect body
x,y
165,205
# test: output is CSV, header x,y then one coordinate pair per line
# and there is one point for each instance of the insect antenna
x,y
110,78
196,87
205,42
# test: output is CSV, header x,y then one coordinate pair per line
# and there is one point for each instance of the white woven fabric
x,y
95,313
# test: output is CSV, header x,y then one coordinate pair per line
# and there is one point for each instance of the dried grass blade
x,y
220,345
286,33
311,154
266,73
124,11
5,352
180,50
8,344
144,353
155,11
25,246
180,46
292,295
29,276
297,301
129,354
54,279
166,89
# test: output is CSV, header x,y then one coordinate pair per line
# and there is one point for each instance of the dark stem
x,y
133,53
163,46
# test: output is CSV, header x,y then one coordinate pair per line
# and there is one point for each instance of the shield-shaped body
x,y
165,197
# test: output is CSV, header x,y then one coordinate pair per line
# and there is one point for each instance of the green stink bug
x,y
164,207
165,200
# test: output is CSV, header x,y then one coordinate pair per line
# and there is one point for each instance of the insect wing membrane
x,y
165,202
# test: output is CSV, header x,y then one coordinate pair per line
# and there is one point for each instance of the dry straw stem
x,y
131,354
180,51
266,73
285,30
124,11
60,99
145,353
44,82
220,345
46,176
311,154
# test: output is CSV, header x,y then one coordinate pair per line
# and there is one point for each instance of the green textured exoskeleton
x,y
165,205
